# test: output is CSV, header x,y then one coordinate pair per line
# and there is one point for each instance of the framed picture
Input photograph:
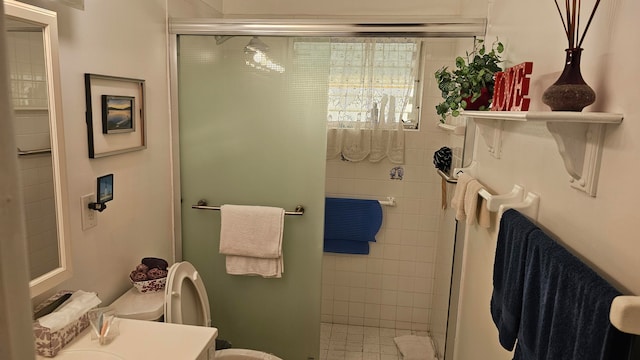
x,y
105,188
115,115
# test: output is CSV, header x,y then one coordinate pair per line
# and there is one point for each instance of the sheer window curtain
x,y
371,91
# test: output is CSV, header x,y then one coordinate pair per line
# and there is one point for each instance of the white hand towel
x,y
457,202
254,231
244,265
413,347
251,237
484,216
471,200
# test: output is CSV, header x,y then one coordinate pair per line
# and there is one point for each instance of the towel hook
x,y
495,201
529,206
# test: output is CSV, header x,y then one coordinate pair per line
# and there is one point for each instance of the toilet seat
x,y
185,297
244,354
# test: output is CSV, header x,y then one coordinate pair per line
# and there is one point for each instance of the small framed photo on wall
x,y
117,114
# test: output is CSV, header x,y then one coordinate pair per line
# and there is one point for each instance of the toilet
x,y
184,301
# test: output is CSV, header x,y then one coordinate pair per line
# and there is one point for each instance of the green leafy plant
x,y
472,74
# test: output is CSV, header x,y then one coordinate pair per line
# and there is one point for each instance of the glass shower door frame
x,y
402,26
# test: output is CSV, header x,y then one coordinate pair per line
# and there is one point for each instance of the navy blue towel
x,y
351,220
508,275
346,247
566,308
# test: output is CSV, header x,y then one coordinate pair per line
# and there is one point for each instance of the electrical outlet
x,y
89,216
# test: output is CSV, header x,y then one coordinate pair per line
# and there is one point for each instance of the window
x,y
371,77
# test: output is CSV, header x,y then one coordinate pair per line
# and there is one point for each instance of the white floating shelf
x,y
579,136
455,129
545,116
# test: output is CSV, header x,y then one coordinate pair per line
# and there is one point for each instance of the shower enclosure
x,y
249,110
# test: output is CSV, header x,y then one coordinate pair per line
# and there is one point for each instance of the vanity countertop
x,y
141,339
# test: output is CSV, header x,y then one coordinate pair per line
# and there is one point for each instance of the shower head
x,y
256,56
256,45
222,38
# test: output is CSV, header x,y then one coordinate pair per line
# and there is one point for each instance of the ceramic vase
x,y
570,92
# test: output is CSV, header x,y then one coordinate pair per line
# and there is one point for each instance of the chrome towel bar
x,y
203,205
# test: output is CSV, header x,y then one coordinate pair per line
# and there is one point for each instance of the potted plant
x,y
470,85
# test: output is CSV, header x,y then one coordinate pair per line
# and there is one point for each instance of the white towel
x,y
471,200
243,265
415,347
457,202
251,237
484,217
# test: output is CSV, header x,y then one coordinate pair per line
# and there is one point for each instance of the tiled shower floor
x,y
351,342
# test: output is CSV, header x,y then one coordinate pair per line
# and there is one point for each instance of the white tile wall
x,y
27,70
31,126
392,286
40,215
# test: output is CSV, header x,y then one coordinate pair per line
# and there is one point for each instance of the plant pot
x,y
570,92
481,102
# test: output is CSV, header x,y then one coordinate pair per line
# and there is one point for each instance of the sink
x,y
80,354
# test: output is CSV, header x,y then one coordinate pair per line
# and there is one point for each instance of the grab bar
x,y
33,152
203,205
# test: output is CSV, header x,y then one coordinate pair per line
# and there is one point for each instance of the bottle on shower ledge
x,y
374,113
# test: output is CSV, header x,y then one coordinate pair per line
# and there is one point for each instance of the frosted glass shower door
x,y
252,137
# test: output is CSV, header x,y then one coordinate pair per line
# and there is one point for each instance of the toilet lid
x,y
185,297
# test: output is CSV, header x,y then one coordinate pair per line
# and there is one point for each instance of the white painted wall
x,y
601,230
194,8
103,39
233,8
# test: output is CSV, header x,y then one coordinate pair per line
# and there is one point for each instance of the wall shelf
x,y
455,129
579,136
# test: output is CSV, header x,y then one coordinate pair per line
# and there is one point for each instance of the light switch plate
x,y
89,216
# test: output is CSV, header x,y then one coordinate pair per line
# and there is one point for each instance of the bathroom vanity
x,y
139,339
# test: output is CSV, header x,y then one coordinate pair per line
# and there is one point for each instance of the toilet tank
x,y
140,306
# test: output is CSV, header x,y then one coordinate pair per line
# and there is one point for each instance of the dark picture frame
x,y
103,92
105,188
118,114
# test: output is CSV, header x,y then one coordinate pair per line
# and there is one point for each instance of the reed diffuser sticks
x,y
571,21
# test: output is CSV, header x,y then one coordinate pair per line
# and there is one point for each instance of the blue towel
x,y
565,308
346,247
508,275
350,220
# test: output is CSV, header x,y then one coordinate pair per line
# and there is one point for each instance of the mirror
x,y
32,51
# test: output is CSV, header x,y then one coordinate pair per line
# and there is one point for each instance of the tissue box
x,y
48,342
